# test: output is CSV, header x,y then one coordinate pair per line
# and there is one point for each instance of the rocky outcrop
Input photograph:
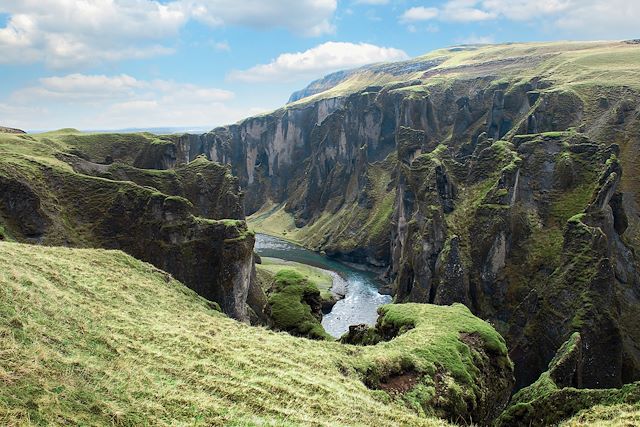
x,y
596,274
213,192
396,360
558,393
21,210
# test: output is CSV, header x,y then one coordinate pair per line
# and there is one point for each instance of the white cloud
x,y
524,10
107,102
466,11
586,19
419,13
613,19
66,33
324,58
307,17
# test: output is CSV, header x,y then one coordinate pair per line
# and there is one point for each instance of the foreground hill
x,y
95,337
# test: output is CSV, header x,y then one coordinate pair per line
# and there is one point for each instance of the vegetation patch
x,y
322,279
295,305
447,377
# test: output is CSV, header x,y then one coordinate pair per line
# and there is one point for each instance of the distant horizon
x,y
153,129
178,63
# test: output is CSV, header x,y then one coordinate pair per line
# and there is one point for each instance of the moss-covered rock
x,y
295,306
557,395
465,375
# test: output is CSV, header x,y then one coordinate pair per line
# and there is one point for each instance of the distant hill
x,y
10,130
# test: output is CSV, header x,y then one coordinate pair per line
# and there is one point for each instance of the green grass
x,y
579,65
623,415
571,202
95,337
322,279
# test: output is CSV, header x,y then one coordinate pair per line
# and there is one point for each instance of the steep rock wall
x,y
485,175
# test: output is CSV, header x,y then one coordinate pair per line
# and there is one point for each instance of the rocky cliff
x,y
501,177
187,221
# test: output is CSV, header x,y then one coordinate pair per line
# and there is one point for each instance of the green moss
x,y
619,415
4,235
569,203
290,302
450,357
322,279
179,200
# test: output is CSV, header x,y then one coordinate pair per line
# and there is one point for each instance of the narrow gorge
x,y
492,191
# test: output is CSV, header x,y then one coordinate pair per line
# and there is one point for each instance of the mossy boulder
x,y
295,306
440,360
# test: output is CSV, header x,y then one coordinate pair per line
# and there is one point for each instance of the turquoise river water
x,y
362,298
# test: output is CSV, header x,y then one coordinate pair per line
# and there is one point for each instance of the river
x,y
362,298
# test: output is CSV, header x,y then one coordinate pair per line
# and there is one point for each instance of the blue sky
x,y
108,64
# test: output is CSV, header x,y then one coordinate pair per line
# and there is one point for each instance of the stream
x,y
362,298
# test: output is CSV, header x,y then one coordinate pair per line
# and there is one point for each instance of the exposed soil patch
x,y
473,340
400,384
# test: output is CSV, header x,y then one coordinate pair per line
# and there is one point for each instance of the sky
x,y
114,64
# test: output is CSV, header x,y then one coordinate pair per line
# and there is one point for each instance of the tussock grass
x,y
623,415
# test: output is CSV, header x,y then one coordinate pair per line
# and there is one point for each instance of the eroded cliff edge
x,y
82,190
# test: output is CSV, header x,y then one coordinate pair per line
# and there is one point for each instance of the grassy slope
x,y
97,337
606,416
571,64
350,228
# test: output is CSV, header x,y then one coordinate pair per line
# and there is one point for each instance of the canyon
x,y
479,182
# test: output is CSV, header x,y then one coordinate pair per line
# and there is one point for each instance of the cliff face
x,y
501,177
188,222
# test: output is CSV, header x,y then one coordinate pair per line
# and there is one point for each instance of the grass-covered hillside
x,y
574,65
95,337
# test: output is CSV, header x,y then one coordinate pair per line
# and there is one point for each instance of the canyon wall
x,y
505,181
